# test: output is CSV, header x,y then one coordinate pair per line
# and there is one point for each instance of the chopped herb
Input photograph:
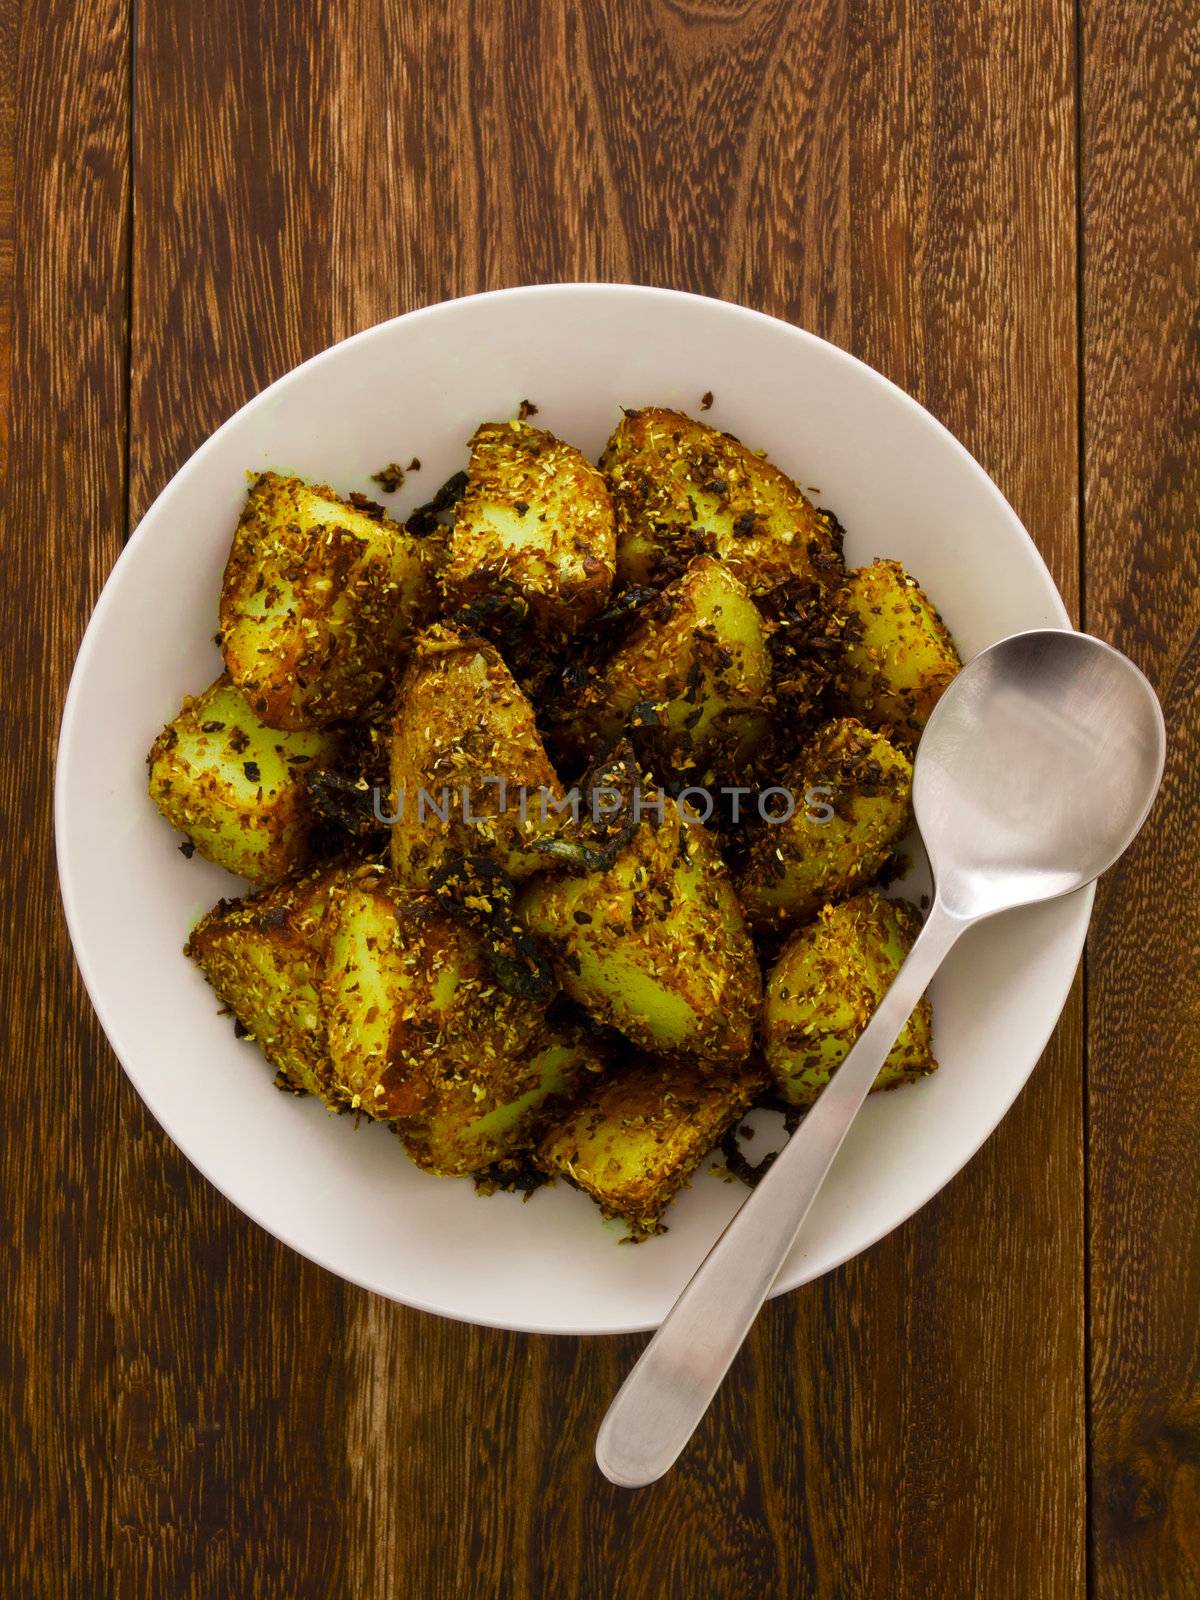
x,y
250,768
187,848
212,727
438,512
526,409
391,477
368,507
706,400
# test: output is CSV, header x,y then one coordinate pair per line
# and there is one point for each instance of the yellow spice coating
x,y
235,787
264,955
682,489
853,803
462,724
410,1000
319,599
697,663
897,656
634,1138
535,522
824,988
480,1114
656,945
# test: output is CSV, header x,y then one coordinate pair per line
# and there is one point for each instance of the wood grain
x,y
64,175
189,1409
902,180
1141,200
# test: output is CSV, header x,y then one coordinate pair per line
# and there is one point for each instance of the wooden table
x,y
995,204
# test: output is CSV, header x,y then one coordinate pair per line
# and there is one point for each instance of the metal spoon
x,y
1035,771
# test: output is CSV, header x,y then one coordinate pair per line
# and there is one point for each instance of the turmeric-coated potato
x,y
319,600
897,657
479,1116
465,745
636,1136
824,988
851,791
682,489
535,523
655,944
265,955
235,787
696,669
410,1000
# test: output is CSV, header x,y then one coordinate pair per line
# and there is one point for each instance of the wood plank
x,y
1141,197
902,180
63,179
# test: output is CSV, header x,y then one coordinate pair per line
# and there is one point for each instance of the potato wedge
x,y
682,489
697,669
319,600
465,743
824,988
655,944
265,955
636,1136
535,523
480,1116
852,793
410,1001
897,654
235,787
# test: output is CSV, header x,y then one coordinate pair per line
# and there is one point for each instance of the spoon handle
x,y
660,1403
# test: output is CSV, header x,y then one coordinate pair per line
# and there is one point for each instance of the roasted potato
x,y
535,523
852,792
235,787
265,956
410,1001
464,746
824,988
319,600
682,489
655,944
696,669
636,1136
672,629
897,655
480,1116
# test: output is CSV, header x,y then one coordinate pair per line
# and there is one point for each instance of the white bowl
x,y
418,385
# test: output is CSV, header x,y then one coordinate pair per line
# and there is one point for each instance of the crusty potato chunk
x,y
265,955
824,988
480,1116
654,944
681,489
852,794
465,743
410,1000
696,669
319,599
235,787
535,523
897,655
636,1136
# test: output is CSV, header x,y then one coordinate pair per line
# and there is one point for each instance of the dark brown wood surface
x,y
994,204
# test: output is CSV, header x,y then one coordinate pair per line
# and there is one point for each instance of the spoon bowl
x,y
1036,769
